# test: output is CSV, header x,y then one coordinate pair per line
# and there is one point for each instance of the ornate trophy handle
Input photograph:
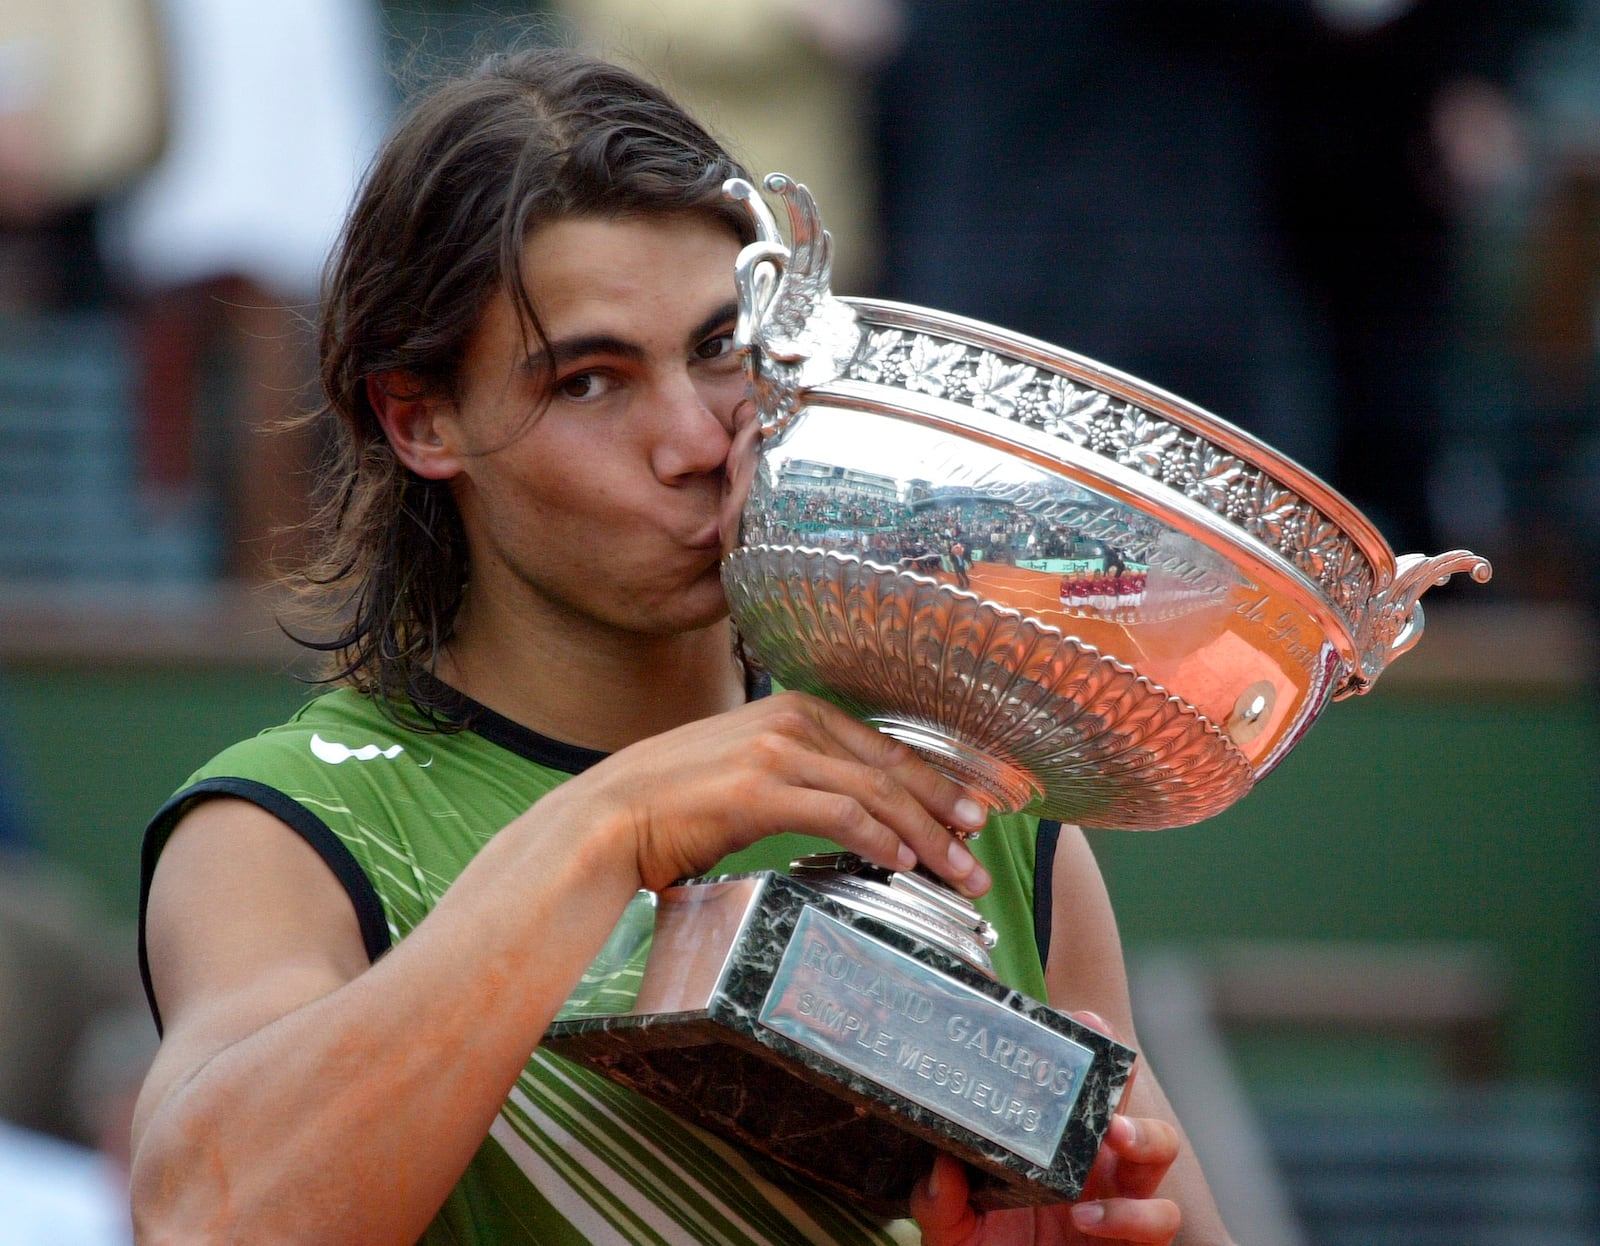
x,y
1395,620
796,334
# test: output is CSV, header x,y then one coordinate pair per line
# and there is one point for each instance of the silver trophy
x,y
1071,591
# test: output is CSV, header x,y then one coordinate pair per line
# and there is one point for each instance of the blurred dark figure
x,y
1092,172
1252,203
74,1048
1387,118
218,249
1553,453
82,110
16,834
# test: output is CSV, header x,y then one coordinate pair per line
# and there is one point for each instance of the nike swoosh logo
x,y
334,753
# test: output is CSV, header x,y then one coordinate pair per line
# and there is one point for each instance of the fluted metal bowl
x,y
1078,593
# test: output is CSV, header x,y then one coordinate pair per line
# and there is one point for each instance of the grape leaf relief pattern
x,y
1121,431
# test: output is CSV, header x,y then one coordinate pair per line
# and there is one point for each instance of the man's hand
x,y
1138,1150
788,762
1119,1203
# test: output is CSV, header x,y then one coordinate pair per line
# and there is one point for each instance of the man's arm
x,y
300,1095
303,1096
1085,971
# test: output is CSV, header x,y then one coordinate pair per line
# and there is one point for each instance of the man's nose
x,y
693,435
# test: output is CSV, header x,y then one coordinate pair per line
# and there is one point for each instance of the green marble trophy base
x,y
774,1016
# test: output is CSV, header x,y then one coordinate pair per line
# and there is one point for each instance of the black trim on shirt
x,y
1044,871
464,712
527,743
370,918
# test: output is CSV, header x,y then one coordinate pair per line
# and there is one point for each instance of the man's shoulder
x,y
346,741
331,728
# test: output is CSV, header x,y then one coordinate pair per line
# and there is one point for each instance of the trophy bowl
x,y
1076,593
1069,590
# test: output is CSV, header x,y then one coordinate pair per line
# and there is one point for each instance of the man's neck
x,y
601,691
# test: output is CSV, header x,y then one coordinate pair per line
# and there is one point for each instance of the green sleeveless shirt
x,y
572,1157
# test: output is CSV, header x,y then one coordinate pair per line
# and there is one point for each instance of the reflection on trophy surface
x,y
1078,595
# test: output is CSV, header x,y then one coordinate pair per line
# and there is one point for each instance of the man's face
x,y
590,489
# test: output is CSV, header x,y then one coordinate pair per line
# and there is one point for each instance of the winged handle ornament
x,y
796,334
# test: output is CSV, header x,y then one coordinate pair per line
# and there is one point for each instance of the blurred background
x,y
1367,230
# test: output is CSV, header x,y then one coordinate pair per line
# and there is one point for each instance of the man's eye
x,y
583,385
719,347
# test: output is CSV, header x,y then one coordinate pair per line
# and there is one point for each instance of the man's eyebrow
x,y
568,350
728,311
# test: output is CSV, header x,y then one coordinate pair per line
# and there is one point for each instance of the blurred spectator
x,y
275,110
109,1063
1253,203
61,1193
11,833
57,1193
82,110
57,970
1091,172
1550,448
75,1043
1389,119
782,82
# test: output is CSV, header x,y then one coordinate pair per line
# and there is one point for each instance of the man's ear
x,y
419,426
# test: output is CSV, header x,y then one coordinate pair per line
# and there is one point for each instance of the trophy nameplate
x,y
841,1046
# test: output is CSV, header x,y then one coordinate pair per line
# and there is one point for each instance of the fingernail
x,y
906,859
974,878
1093,1020
970,813
1087,1215
934,1184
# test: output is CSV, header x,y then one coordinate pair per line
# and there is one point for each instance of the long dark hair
x,y
528,138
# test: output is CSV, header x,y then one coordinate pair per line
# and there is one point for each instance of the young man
x,y
358,925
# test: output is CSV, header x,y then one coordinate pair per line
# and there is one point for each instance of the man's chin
x,y
695,612
715,615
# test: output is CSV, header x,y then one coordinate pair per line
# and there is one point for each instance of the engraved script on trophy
x,y
946,525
